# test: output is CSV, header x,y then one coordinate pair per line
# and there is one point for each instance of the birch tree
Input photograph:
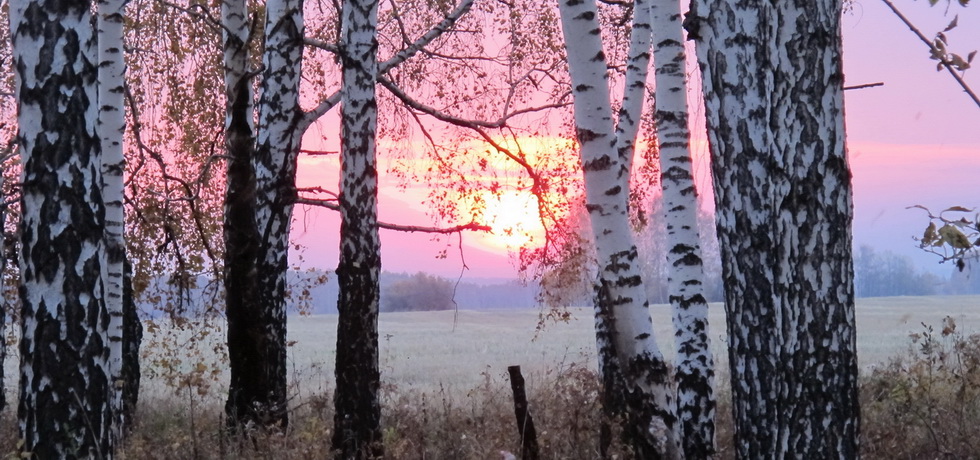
x,y
774,103
259,201
262,190
693,364
6,153
112,126
357,433
242,308
624,331
65,375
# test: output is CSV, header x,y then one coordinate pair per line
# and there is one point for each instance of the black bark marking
x,y
64,408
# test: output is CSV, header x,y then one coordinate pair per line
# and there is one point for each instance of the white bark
x,y
278,140
774,103
65,375
357,433
112,127
634,86
693,365
642,364
234,18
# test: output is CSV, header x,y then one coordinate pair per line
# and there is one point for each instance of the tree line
x,y
211,189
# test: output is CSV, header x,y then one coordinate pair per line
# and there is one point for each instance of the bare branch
x,y
467,123
538,183
317,153
333,205
320,44
308,118
866,85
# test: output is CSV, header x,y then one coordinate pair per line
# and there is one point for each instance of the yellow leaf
x,y
930,234
955,237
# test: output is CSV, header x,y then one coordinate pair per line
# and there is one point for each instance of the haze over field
x,y
426,350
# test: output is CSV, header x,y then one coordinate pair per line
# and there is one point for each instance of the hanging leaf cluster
x,y
953,239
940,49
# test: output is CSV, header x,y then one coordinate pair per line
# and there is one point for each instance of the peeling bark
x,y
774,104
357,432
64,410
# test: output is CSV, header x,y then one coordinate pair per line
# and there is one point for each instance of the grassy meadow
x,y
446,395
459,350
424,350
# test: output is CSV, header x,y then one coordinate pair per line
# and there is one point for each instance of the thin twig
x,y
866,85
942,58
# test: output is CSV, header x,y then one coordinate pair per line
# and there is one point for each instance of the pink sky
x,y
915,140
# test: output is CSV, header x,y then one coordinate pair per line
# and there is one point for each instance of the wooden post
x,y
525,424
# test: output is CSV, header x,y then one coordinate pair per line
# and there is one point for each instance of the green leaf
x,y
957,209
969,57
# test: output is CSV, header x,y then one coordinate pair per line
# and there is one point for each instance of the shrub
x,y
925,404
420,292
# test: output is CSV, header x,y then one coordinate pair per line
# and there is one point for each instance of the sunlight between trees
x,y
168,133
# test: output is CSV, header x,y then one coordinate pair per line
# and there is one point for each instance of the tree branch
x,y
324,106
411,50
320,44
866,85
197,11
466,123
333,205
942,58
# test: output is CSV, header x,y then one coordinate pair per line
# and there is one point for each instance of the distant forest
x,y
876,274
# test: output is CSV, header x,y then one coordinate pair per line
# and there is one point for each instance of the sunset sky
x,y
915,140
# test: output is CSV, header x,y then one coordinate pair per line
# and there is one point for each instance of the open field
x,y
446,395
460,351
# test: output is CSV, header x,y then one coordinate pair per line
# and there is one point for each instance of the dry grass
x,y
446,395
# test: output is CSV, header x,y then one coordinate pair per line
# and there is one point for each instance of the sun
x,y
513,219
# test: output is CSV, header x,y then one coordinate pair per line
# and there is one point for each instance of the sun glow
x,y
513,219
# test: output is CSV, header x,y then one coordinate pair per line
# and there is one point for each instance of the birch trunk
x,y
65,377
132,338
112,126
274,163
694,364
241,237
627,128
774,103
3,299
357,433
649,404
